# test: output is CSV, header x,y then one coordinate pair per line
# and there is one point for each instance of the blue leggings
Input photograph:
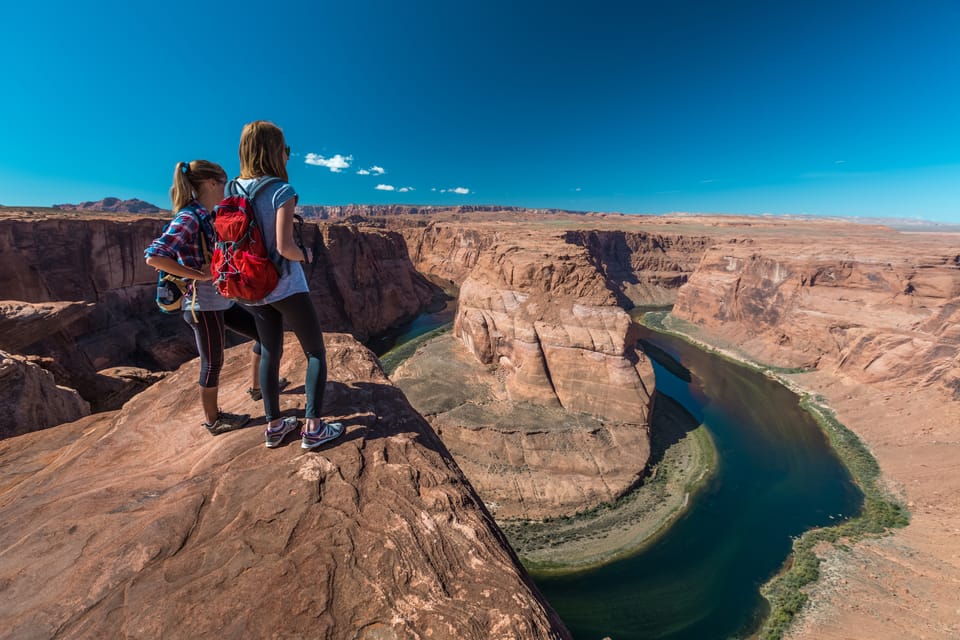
x,y
298,312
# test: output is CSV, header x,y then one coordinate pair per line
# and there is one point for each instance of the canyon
x,y
863,316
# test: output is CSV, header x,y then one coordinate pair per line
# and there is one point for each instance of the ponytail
x,y
181,193
186,177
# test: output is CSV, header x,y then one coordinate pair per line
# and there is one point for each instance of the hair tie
x,y
185,169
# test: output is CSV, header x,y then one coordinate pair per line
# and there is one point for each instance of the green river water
x,y
776,478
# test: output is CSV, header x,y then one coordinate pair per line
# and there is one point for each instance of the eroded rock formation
x,y
526,460
645,268
861,306
362,282
30,398
137,523
543,314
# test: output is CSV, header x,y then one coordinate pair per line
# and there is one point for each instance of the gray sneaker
x,y
328,431
275,435
257,395
226,422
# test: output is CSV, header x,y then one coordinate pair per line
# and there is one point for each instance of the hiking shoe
x,y
226,422
256,395
275,435
329,431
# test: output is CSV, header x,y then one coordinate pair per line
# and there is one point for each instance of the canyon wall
x,y
89,274
868,310
645,268
138,523
542,312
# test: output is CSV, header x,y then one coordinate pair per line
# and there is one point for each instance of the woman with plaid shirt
x,y
197,189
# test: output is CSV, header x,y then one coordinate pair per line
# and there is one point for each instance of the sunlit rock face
x,y
544,315
867,309
543,312
138,523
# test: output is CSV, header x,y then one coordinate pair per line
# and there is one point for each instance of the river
x,y
776,478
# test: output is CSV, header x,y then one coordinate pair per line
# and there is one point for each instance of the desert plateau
x,y
528,435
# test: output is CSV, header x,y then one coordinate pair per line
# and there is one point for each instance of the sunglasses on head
x,y
286,149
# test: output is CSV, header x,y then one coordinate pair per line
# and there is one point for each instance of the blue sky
x,y
840,107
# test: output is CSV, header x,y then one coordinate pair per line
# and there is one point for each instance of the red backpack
x,y
241,265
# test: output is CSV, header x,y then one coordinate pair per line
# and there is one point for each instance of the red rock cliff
x,y
540,311
858,304
137,523
362,282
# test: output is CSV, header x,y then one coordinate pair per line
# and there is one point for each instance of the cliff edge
x,y
137,523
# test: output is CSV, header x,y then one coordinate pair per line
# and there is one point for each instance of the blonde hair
x,y
187,177
262,151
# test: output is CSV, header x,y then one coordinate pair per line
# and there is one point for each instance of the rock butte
x,y
871,311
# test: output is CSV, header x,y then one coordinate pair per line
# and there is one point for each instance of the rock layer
x,y
543,314
362,282
525,460
30,398
872,312
139,524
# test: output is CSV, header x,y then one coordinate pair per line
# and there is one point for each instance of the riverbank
x,y
614,531
882,511
510,450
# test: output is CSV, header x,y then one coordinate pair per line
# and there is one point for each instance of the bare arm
x,y
285,243
172,266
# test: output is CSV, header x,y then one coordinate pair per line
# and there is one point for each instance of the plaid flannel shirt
x,y
179,239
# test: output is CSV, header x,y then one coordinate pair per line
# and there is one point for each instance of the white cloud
x,y
335,163
461,190
378,170
578,189
433,189
363,172
384,187
405,189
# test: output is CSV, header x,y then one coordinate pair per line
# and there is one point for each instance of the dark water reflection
x,y
776,478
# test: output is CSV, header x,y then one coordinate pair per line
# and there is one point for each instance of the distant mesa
x,y
112,205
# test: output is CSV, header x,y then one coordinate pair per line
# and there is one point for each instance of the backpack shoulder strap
x,y
260,184
204,249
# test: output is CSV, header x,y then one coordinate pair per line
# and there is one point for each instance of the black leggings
x,y
209,330
298,312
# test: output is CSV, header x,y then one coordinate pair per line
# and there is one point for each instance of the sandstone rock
x,y
25,323
543,314
119,384
137,523
362,282
30,398
646,268
872,311
525,460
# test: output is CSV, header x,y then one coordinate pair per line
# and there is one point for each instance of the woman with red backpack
x,y
263,174
183,250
